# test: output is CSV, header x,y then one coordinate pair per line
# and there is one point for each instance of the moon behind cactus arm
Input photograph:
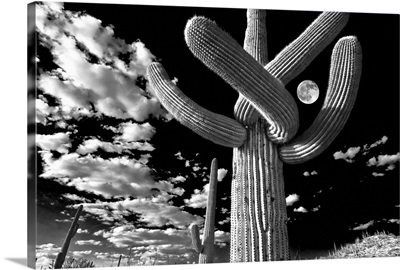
x,y
344,78
296,56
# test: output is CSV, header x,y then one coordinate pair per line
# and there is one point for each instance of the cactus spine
x,y
206,249
71,233
270,115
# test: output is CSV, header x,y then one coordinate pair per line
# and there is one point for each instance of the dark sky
x,y
340,195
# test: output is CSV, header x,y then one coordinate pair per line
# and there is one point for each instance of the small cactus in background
x,y
263,134
71,233
206,248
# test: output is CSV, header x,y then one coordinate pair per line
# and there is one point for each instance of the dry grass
x,y
370,246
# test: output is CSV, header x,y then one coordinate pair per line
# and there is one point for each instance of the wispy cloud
x,y
74,197
81,253
383,160
301,209
155,214
118,176
59,142
92,145
91,71
199,198
137,132
291,199
45,254
127,235
378,174
88,242
366,147
306,173
177,179
348,155
82,231
221,174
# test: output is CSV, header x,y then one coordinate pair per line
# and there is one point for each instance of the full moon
x,y
307,92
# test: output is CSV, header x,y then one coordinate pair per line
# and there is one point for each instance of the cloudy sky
x,y
104,141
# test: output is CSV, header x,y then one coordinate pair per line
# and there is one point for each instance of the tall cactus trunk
x,y
258,215
258,206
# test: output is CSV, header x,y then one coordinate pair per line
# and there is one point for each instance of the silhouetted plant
x,y
263,134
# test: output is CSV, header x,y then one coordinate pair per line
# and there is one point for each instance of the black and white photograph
x,y
173,135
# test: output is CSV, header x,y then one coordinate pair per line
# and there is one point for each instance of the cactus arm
x,y
295,57
344,80
196,242
255,43
71,233
217,128
222,54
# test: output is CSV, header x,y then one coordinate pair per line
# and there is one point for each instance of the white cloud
x,y
67,220
226,220
156,214
127,235
366,147
363,226
224,210
315,209
348,155
137,132
291,199
196,168
92,145
383,160
306,174
221,174
59,142
394,221
378,174
177,179
98,233
74,197
179,156
109,84
81,253
199,198
43,110
108,177
221,236
301,209
45,254
82,231
88,242
48,249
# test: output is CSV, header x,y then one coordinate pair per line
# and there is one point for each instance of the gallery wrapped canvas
x,y
163,135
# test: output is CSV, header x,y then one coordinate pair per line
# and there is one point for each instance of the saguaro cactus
x,y
71,233
269,115
206,248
